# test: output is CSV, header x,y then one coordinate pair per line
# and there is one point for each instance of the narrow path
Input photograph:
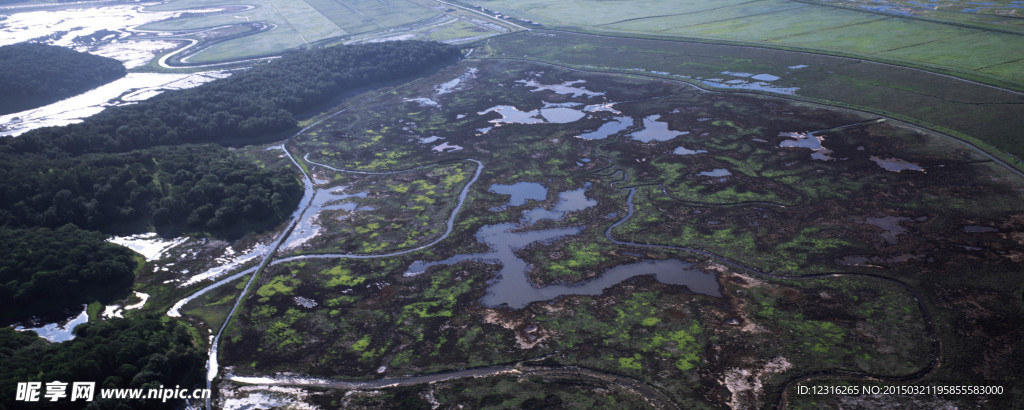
x,y
933,337
360,13
483,14
649,393
448,229
211,364
289,23
652,395
164,61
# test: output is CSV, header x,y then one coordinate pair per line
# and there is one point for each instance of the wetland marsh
x,y
576,219
574,251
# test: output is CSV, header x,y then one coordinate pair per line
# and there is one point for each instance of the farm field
x,y
290,23
268,27
971,50
632,204
859,240
999,15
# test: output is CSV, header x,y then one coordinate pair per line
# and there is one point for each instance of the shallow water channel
x,y
513,288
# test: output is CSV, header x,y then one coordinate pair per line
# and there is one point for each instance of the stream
x,y
516,296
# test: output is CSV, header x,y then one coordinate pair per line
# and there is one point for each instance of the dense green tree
x,y
141,352
184,188
147,165
125,169
33,75
246,107
46,271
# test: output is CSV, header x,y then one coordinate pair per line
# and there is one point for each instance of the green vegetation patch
x,y
279,285
339,276
824,219
845,322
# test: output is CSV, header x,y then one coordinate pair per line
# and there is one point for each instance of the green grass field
x,y
964,46
294,23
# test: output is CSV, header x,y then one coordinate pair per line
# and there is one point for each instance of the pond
x,y
453,85
566,88
61,331
896,164
326,199
519,292
446,147
423,102
616,125
568,201
809,141
979,229
717,172
521,192
150,245
655,130
512,115
513,288
561,115
891,227
686,151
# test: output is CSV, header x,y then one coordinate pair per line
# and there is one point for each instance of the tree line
x,y
173,189
48,271
144,352
155,165
246,107
33,75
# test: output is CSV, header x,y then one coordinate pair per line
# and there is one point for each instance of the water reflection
x,y
655,130
62,331
512,115
521,192
566,88
896,164
717,172
809,141
568,201
132,88
617,124
559,115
